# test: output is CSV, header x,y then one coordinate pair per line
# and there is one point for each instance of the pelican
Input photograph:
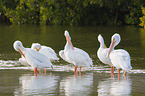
x,y
48,51
75,55
23,61
119,58
102,52
34,58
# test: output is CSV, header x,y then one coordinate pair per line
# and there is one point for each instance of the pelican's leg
x,y
45,71
80,71
125,73
75,68
35,71
118,74
39,71
75,71
111,70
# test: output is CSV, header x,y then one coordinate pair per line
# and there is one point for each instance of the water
x,y
19,80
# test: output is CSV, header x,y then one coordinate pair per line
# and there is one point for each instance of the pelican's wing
x,y
48,51
23,61
81,56
62,55
37,59
121,58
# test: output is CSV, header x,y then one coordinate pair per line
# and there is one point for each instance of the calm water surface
x,y
18,80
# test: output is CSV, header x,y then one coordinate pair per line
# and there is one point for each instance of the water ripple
x,y
9,64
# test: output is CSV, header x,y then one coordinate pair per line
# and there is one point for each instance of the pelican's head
x,y
18,46
68,38
114,41
100,38
36,46
66,33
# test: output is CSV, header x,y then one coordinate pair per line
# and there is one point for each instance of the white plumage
x,y
49,52
119,58
75,55
78,57
23,61
35,59
122,59
102,52
62,55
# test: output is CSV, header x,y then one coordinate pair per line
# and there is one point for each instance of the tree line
x,y
71,12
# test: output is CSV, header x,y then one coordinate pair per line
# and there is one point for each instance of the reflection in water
x,y
72,85
32,85
113,87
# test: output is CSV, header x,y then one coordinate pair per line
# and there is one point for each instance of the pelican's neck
x,y
102,44
101,40
116,38
67,46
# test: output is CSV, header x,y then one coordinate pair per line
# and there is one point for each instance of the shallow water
x,y
19,80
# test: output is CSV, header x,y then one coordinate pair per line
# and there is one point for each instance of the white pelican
x,y
23,61
119,58
102,52
34,58
48,51
75,55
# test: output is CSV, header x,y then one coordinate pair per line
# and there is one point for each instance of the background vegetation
x,y
71,12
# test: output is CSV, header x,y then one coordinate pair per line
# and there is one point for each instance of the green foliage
x,y
25,12
134,12
72,12
142,19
